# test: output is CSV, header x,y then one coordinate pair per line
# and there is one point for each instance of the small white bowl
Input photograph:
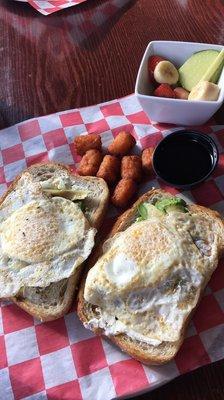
x,y
175,111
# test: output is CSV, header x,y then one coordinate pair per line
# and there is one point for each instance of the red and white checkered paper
x,y
61,359
47,7
80,25
51,6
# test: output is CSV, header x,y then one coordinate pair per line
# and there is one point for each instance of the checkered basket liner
x,y
61,359
83,24
47,7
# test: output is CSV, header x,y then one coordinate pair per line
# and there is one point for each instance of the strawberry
x,y
152,63
164,90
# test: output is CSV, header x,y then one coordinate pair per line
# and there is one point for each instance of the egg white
x,y
149,278
41,242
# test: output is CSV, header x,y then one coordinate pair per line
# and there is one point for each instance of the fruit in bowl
x,y
163,71
176,108
195,80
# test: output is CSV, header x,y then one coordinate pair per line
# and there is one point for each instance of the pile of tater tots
x,y
121,170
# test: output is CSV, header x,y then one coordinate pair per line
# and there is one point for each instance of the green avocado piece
x,y
168,204
143,213
195,68
147,211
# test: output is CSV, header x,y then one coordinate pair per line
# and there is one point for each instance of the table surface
x,y
55,63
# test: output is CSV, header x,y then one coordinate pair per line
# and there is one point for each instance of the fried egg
x,y
42,240
150,277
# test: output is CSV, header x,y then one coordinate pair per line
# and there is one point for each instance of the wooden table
x,y
48,64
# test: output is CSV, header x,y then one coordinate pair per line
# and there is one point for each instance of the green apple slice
x,y
192,71
213,72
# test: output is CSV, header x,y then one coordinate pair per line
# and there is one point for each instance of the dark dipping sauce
x,y
185,158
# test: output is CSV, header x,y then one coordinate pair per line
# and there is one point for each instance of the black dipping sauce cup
x,y
185,158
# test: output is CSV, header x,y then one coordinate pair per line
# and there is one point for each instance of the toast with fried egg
x,y
55,196
144,283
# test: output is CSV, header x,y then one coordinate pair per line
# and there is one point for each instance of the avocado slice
x,y
147,211
161,207
169,204
195,68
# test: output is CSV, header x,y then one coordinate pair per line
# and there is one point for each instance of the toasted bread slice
x,y
55,300
140,350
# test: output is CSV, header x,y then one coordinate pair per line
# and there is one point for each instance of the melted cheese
x,y
57,185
